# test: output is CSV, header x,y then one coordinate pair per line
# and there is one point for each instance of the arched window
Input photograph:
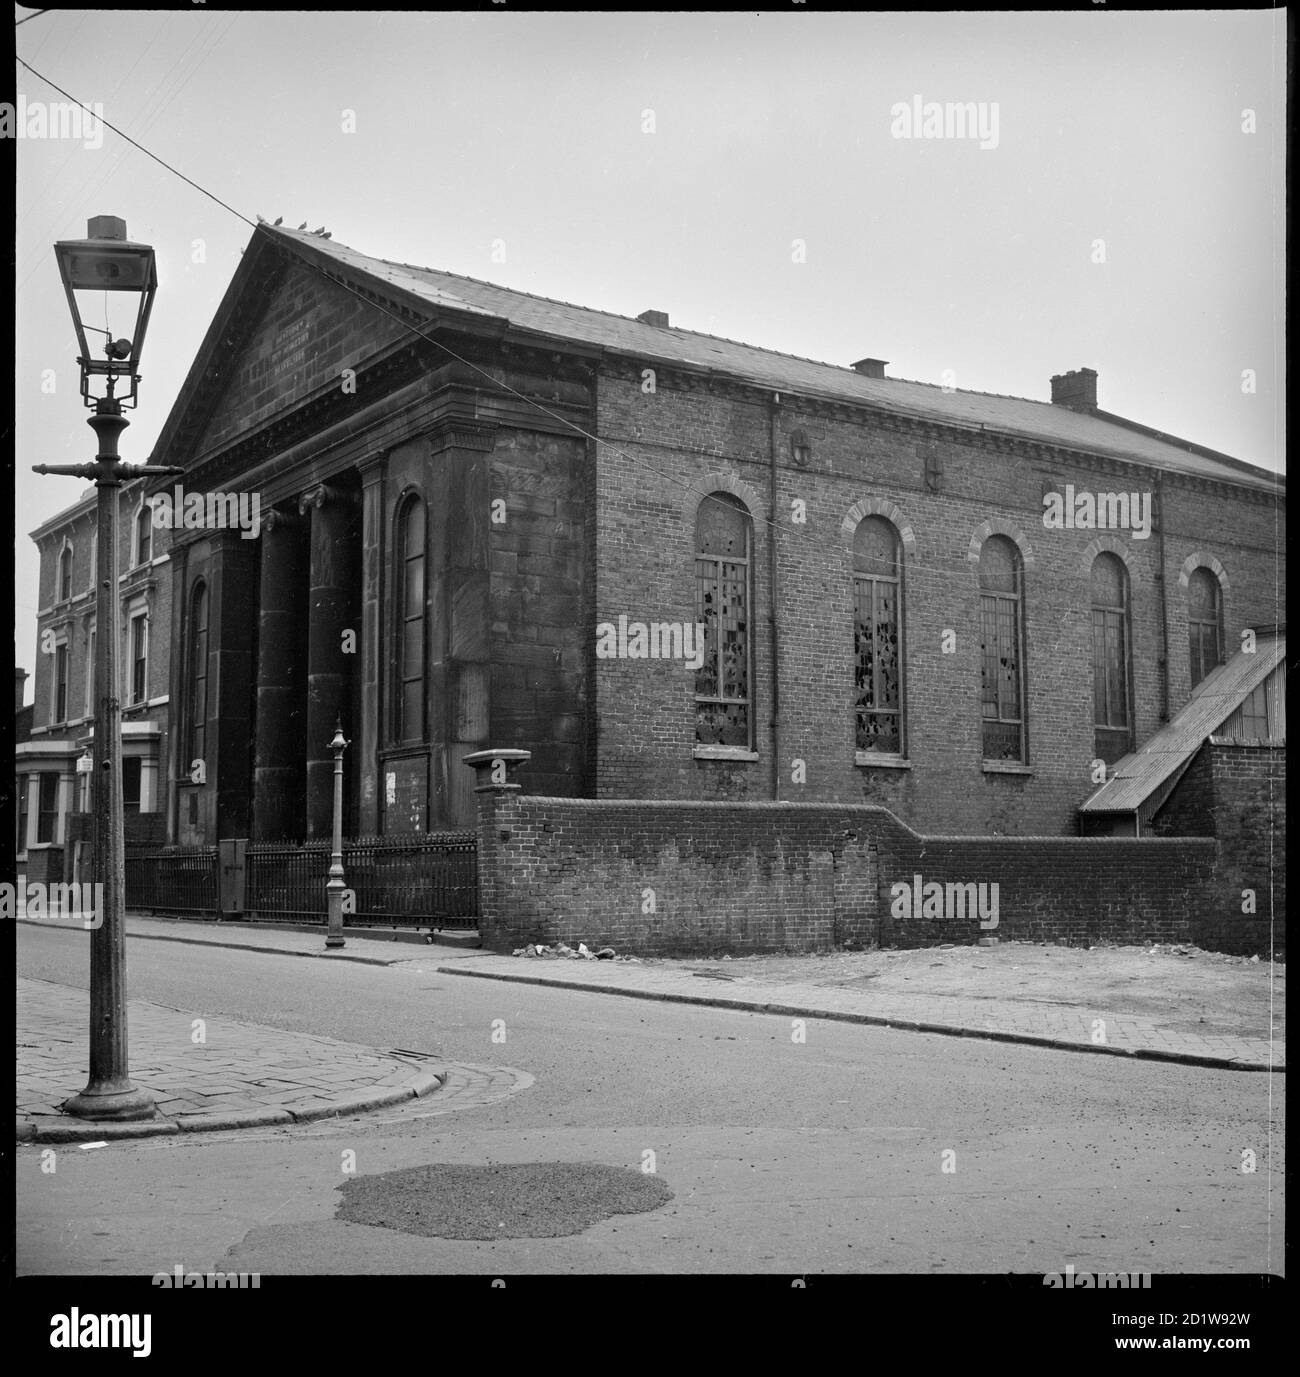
x,y
1113,735
1204,623
724,538
65,573
1001,650
409,547
144,534
197,708
877,637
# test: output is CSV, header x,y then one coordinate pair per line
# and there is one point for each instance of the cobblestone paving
x,y
210,1073
1083,1029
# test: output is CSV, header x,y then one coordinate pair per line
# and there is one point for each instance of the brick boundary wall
x,y
753,877
1248,791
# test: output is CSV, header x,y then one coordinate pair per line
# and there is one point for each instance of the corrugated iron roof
x,y
1140,774
559,320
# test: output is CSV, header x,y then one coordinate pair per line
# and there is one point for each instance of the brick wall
x,y
701,877
657,447
1238,792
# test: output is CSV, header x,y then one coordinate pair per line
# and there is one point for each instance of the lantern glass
x,y
107,262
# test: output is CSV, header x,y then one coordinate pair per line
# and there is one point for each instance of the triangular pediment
x,y
283,334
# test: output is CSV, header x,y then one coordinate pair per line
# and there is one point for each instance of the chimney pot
x,y
1076,390
871,368
658,318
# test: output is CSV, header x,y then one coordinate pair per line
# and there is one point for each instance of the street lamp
x,y
106,261
334,889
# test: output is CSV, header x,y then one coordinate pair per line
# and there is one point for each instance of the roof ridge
x,y
1172,453
700,334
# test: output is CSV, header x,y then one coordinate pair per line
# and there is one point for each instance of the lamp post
x,y
334,889
106,261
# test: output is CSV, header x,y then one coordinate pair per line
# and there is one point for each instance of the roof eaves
x,y
1202,451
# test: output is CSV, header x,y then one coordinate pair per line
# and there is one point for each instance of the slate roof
x,y
1138,776
562,322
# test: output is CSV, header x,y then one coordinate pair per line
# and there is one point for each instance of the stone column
x,y
232,571
366,762
280,742
332,612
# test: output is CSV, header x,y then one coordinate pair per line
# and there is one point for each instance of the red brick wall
x,y
657,446
1241,789
701,877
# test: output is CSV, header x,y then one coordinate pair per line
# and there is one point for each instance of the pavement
x,y
1024,1019
219,1073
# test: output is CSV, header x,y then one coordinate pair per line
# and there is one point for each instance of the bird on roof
x,y
279,219
261,220
303,225
321,230
327,235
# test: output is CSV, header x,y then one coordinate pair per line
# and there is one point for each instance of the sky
x,y
749,174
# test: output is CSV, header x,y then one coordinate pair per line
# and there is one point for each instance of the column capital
x,y
278,519
323,495
374,469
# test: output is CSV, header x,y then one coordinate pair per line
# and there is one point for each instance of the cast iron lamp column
x,y
107,262
335,888
109,1093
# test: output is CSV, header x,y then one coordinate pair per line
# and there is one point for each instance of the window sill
x,y
871,760
1005,767
724,753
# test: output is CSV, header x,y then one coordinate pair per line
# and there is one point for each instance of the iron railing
x,y
412,880
172,879
426,879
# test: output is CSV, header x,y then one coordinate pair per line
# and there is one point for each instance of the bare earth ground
x,y
1181,987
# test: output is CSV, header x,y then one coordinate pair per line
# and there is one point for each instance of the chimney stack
x,y
871,368
659,318
1077,390
20,681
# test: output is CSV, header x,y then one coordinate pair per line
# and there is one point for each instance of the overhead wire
x,y
913,568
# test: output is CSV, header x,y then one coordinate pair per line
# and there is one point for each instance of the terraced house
x,y
671,567
52,755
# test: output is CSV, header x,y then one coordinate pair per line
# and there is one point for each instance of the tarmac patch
x,y
527,1200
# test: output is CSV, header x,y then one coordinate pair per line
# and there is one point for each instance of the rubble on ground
x,y
563,952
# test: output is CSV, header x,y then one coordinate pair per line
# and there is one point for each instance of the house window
x,y
47,814
197,708
131,783
1001,655
144,534
22,812
877,638
723,597
409,713
1110,658
61,682
139,658
65,573
1204,623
